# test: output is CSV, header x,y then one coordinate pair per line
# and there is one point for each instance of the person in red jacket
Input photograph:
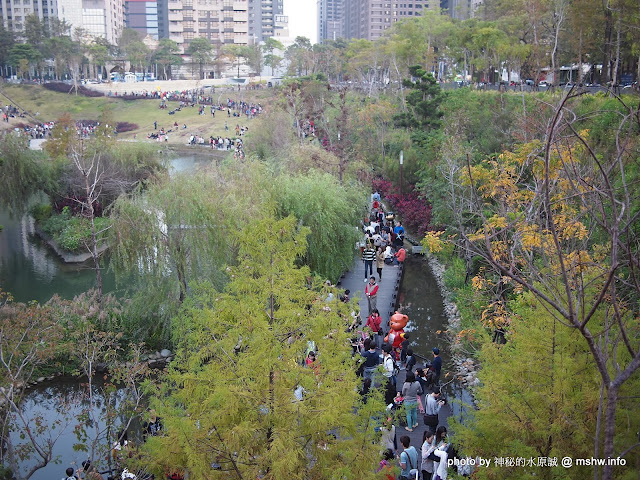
x,y
371,291
374,322
400,256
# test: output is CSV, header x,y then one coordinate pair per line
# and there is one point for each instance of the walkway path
x,y
353,280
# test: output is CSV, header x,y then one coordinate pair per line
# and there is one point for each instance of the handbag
x,y
413,472
431,421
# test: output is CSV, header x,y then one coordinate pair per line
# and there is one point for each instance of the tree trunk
x,y
616,63
94,240
609,429
580,75
596,447
96,257
606,48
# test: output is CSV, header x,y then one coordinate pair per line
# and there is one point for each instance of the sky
x,y
302,18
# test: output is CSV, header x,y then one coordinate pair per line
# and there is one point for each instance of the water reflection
x,y
63,402
419,298
188,163
30,270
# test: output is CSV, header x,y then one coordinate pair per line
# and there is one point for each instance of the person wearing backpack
x,y
408,459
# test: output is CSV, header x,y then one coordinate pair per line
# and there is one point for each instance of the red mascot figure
x,y
396,332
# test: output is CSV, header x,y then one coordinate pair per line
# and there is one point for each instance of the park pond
x,y
63,402
30,270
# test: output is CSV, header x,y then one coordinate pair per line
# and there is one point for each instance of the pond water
x,y
64,400
419,298
30,270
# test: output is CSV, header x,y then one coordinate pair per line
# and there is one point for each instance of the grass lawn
x,y
50,105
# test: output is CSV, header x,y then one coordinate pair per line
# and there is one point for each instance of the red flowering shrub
x,y
414,209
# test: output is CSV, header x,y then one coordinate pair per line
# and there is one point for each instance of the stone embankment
x,y
466,368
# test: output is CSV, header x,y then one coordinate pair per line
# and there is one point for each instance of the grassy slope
x,y
50,105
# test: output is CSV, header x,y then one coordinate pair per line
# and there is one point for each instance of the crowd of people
x,y
233,108
381,364
11,111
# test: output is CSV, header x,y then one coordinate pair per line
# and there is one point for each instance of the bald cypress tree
x,y
229,404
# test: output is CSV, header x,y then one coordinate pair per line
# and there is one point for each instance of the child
x,y
410,361
386,465
70,475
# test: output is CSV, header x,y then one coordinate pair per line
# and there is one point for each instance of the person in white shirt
x,y
428,446
440,467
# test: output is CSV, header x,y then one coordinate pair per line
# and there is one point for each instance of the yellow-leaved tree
x,y
558,218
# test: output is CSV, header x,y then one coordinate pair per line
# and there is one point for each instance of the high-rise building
x,y
330,19
13,12
219,21
102,18
370,18
267,19
149,17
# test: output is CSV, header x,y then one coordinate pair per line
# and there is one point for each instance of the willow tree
x,y
23,172
332,211
180,229
229,406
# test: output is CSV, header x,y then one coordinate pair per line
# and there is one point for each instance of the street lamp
x,y
401,161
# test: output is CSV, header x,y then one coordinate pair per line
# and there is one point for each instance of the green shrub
x,y
74,234
71,233
55,224
41,212
455,274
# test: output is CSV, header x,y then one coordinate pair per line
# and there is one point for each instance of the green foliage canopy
x,y
231,388
332,211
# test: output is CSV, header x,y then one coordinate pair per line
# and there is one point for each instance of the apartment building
x,y
149,17
103,18
330,19
13,12
370,18
219,21
462,9
100,18
267,19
